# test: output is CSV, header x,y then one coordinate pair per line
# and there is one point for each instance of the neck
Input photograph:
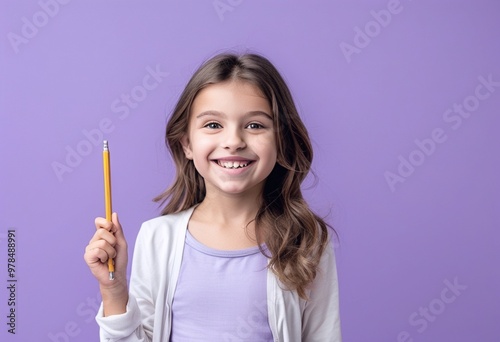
x,y
229,210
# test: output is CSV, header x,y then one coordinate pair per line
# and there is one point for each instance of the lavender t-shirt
x,y
220,295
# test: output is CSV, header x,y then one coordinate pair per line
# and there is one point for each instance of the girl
x,y
237,255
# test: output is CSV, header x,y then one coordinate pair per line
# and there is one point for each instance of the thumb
x,y
118,227
121,258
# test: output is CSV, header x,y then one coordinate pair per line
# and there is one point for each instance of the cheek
x,y
268,147
202,140
269,158
201,147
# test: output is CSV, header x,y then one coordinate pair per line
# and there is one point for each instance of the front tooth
x,y
233,164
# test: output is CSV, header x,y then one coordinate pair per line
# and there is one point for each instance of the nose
x,y
234,140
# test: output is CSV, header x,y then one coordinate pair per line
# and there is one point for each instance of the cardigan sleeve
x,y
321,319
136,324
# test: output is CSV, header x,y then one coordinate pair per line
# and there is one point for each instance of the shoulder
x,y
167,221
165,227
328,261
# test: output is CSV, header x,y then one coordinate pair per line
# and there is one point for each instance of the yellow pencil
x,y
107,198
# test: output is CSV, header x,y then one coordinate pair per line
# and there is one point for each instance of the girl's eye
x,y
212,125
255,125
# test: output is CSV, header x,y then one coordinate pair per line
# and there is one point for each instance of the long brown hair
x,y
295,236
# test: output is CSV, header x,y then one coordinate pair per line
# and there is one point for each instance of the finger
x,y
102,234
102,223
96,255
118,231
102,245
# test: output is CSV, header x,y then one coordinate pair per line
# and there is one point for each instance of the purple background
x,y
399,247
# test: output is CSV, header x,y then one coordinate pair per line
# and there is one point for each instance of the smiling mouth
x,y
233,164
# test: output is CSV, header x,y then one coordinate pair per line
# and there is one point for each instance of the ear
x,y
186,146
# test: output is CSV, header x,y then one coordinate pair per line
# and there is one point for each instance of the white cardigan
x,y
155,270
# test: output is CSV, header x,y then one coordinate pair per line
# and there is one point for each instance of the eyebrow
x,y
222,115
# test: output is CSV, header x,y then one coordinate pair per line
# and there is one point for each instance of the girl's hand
x,y
109,242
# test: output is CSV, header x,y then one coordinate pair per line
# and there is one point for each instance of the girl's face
x,y
231,138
